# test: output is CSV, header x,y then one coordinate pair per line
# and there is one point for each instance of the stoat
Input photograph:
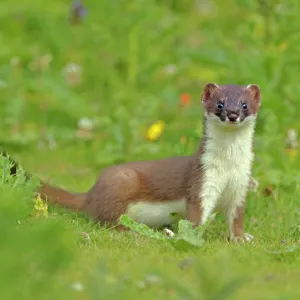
x,y
215,177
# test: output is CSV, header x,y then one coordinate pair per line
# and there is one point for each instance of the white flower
x,y
291,139
15,61
86,124
77,286
85,128
170,69
73,74
40,63
253,184
72,68
3,84
169,232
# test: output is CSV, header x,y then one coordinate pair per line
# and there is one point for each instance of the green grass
x,y
128,51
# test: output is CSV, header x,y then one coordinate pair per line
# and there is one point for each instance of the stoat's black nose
x,y
232,116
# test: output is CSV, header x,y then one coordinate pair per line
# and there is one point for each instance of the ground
x,y
76,98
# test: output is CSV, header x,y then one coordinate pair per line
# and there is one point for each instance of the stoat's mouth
x,y
223,120
232,122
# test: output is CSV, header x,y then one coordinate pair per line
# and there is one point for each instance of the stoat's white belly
x,y
157,214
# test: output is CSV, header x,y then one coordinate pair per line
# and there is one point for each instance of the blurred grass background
x,y
78,89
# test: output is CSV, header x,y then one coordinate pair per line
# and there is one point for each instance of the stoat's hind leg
x,y
110,196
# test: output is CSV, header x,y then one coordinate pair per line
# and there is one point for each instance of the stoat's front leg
x,y
236,225
194,210
201,203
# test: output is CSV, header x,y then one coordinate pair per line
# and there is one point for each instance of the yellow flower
x,y
259,30
155,130
40,207
292,152
282,47
183,140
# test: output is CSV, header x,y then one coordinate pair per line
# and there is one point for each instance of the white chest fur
x,y
227,161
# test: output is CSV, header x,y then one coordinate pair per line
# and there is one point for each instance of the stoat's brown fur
x,y
216,176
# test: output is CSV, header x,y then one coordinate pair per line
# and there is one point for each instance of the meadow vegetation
x,y
79,96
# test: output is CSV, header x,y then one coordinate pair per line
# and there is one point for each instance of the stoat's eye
x,y
220,105
244,106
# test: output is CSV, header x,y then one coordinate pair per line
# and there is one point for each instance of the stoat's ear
x,y
254,91
208,90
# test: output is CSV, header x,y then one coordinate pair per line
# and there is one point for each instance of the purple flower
x,y
78,11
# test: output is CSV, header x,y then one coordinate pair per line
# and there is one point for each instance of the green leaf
x,y
187,237
140,228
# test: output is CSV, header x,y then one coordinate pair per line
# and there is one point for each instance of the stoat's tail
x,y
53,194
62,197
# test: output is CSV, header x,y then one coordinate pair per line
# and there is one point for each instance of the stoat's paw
x,y
244,238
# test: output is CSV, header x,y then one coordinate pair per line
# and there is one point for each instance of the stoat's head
x,y
231,105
